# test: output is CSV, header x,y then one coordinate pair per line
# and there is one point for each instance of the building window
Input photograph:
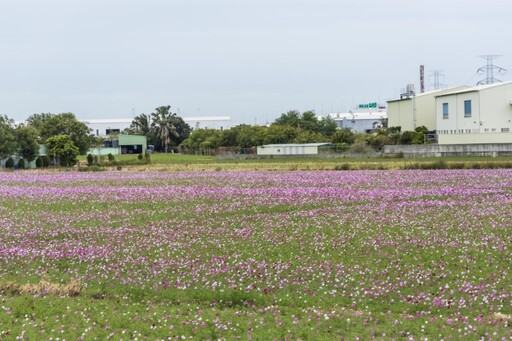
x,y
505,130
467,108
445,111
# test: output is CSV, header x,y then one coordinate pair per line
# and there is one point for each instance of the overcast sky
x,y
249,59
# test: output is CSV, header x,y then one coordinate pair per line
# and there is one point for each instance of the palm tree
x,y
141,124
162,121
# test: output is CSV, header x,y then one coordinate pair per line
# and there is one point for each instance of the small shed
x,y
292,149
132,144
122,144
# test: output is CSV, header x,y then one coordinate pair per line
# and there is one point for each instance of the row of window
x,y
471,131
467,109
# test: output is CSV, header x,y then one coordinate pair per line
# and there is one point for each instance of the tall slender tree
x,y
8,145
28,145
162,121
141,124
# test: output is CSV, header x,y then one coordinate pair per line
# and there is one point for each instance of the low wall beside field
x,y
438,150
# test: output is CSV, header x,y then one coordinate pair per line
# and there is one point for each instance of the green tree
x,y
306,136
291,118
407,137
201,139
328,126
62,147
229,136
344,135
251,136
62,124
28,146
309,121
163,123
37,120
8,144
141,125
277,134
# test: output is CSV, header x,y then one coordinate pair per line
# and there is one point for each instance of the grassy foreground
x,y
256,255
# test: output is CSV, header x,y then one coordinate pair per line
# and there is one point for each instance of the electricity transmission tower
x,y
489,70
437,76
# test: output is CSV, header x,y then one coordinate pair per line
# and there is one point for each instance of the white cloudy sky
x,y
249,59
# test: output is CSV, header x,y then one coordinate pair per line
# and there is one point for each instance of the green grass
x,y
162,161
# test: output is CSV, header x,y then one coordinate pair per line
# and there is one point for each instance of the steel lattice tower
x,y
489,70
437,75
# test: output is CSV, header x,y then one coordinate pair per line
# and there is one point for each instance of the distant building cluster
x,y
460,115
107,127
360,121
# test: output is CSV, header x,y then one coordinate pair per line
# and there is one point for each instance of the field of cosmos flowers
x,y
262,255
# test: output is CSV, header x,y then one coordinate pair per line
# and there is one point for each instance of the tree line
x,y
296,127
66,137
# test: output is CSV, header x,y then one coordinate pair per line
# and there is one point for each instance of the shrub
x,y
93,168
111,157
457,165
343,166
140,156
147,156
9,163
45,161
90,159
21,164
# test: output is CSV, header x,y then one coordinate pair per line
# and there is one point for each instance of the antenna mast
x,y
489,70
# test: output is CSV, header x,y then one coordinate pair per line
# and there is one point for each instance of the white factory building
x,y
105,127
411,111
475,115
360,120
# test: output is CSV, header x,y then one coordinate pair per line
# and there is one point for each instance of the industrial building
x,y
411,111
476,115
112,126
360,121
292,149
122,144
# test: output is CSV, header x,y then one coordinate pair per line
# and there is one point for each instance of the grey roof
x,y
296,145
475,89
427,93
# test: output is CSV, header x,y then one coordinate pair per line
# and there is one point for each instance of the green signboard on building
x,y
368,105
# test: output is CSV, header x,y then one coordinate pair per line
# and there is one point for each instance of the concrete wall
x,y
490,120
479,138
437,150
287,150
104,151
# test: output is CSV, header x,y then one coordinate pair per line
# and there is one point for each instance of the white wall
x,y
490,121
416,111
287,150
